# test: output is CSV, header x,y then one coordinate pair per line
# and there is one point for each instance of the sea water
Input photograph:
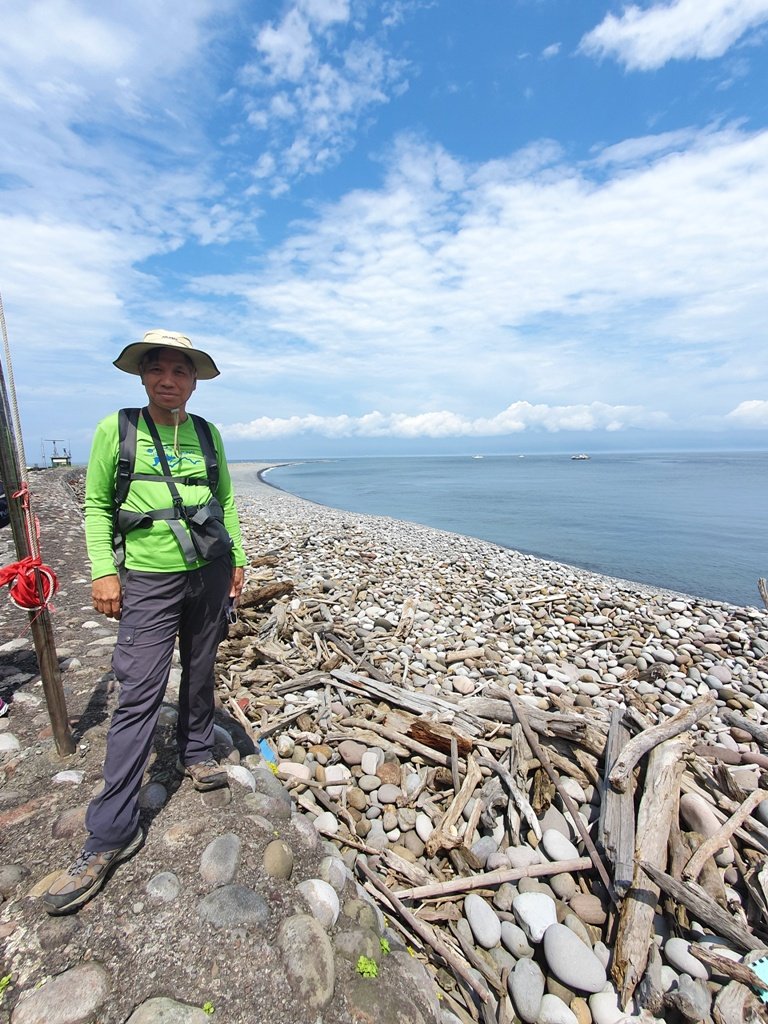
x,y
692,522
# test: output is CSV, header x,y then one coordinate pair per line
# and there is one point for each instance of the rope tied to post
x,y
31,585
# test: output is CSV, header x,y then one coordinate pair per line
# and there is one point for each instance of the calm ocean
x,y
693,522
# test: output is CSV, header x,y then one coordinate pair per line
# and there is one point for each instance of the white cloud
x,y
646,38
752,414
287,49
325,12
525,279
519,417
551,51
316,76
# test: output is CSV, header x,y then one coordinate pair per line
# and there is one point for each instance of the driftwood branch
x,y
638,747
425,933
617,813
539,751
515,791
763,588
704,908
728,968
757,732
657,808
442,838
490,879
722,837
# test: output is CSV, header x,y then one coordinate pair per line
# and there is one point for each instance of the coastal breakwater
x,y
512,752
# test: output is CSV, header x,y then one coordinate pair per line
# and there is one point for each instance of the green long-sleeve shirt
x,y
154,549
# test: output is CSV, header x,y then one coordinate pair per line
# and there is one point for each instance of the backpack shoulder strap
x,y
127,425
203,428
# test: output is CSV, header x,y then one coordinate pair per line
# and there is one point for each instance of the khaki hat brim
x,y
131,356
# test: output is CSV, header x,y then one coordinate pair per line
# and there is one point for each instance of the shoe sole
x,y
128,851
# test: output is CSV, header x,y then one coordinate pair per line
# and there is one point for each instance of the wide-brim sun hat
x,y
132,354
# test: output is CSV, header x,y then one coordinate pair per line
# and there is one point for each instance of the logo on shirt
x,y
175,462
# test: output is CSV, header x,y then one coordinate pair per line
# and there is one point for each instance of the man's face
x,y
169,379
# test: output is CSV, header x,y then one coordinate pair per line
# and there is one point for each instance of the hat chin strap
x,y
175,414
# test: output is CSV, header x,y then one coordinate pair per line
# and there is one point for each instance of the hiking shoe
x,y
205,775
86,876
4,709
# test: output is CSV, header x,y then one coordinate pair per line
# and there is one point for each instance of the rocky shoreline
x,y
387,670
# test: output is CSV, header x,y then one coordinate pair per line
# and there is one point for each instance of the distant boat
x,y
581,457
478,456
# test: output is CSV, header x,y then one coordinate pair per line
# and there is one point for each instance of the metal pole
x,y
40,619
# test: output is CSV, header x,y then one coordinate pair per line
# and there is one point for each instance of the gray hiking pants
x,y
158,606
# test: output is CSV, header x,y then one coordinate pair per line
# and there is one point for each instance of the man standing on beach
x,y
165,590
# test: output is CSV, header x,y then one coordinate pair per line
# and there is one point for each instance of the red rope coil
x,y
27,580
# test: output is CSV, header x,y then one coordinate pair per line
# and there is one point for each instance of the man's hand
x,y
107,596
236,586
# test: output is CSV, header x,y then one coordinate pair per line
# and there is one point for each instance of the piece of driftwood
x,y
425,933
617,812
658,805
573,810
720,803
703,908
579,729
439,736
395,737
492,879
492,976
246,723
443,838
474,818
516,791
266,594
728,968
721,838
757,732
737,1004
645,741
762,587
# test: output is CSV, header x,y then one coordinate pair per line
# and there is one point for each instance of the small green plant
x,y
209,1008
384,944
367,967
4,983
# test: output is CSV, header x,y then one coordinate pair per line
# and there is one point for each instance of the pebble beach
x,y
383,668
452,621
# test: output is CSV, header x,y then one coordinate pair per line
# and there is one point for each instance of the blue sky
x,y
398,226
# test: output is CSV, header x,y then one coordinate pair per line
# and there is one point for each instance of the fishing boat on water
x,y
581,457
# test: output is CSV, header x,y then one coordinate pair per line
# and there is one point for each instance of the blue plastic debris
x,y
266,751
760,967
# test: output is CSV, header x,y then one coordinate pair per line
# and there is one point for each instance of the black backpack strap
x,y
128,421
203,429
127,425
175,522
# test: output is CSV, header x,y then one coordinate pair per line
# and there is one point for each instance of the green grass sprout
x,y
367,967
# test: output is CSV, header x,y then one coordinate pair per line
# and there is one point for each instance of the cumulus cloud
x,y
516,418
752,414
646,38
531,275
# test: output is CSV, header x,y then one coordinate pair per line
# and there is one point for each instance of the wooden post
x,y
40,619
